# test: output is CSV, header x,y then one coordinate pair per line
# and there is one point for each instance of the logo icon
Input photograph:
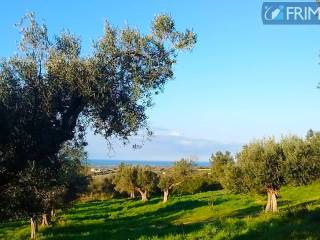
x,y
273,13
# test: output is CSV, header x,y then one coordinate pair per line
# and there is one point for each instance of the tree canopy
x,y
219,165
179,173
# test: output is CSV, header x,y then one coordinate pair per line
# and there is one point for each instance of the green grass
x,y
209,215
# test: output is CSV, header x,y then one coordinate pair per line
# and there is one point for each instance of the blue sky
x,y
243,80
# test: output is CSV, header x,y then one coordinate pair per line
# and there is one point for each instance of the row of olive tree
x,y
141,179
264,166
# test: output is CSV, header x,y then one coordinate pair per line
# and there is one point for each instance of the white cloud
x,y
186,142
167,132
165,144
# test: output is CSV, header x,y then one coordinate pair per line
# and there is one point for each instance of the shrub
x,y
198,182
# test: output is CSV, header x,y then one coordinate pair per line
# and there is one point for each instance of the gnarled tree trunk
x,y
272,205
144,195
33,227
44,221
165,195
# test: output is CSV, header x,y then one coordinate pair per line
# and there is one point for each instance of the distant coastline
x,y
115,163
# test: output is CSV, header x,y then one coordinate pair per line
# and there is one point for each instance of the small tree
x,y
260,162
219,165
177,175
146,182
108,187
234,179
125,179
166,183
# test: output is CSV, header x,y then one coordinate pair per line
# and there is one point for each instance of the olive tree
x,y
146,182
233,180
260,162
181,170
49,91
131,179
125,179
220,162
302,159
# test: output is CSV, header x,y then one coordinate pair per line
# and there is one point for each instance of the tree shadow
x,y
155,223
140,203
219,201
249,211
295,224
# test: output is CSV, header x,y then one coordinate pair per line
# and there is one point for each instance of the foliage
x,y
183,168
302,158
146,180
260,162
196,183
72,176
101,187
50,94
108,187
220,162
131,179
233,181
42,189
125,179
166,180
174,176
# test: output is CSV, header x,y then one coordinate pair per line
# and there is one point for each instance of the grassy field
x,y
209,215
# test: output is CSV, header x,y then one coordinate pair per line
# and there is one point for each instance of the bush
x,y
108,188
96,187
197,183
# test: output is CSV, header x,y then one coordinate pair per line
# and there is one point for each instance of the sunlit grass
x,y
209,215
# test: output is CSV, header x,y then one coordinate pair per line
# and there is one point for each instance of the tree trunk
x,y
165,195
52,213
33,225
44,222
274,202
144,195
132,195
268,202
272,205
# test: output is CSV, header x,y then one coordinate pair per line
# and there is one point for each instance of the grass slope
x,y
209,215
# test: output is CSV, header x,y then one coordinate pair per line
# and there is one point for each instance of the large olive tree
x,y
49,92
260,163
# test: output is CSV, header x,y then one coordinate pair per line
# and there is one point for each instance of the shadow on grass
x,y
152,223
249,211
219,201
156,219
139,203
295,224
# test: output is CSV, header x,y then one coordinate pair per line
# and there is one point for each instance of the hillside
x,y
208,215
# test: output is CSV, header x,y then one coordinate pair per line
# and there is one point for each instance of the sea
x,y
151,163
